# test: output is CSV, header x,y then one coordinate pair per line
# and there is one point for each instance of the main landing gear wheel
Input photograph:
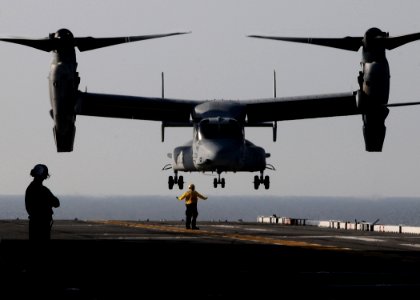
x,y
261,180
176,180
217,181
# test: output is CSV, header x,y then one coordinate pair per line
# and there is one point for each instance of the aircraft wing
x,y
131,107
257,110
304,107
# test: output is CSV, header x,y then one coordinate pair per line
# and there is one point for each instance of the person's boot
x,y
194,225
188,223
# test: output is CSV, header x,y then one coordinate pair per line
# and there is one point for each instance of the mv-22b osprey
x,y
219,143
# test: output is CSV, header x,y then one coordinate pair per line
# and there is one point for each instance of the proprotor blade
x,y
394,42
347,43
90,43
40,44
63,38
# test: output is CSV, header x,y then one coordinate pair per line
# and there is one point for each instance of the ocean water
x,y
389,211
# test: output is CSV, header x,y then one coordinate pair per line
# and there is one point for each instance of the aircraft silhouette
x,y
219,143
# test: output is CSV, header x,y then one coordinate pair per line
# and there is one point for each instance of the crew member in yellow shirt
x,y
191,198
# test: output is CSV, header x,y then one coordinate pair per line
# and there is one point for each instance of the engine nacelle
x,y
65,141
374,113
374,129
64,131
64,118
64,81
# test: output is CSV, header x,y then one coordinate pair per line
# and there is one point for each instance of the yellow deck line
x,y
232,236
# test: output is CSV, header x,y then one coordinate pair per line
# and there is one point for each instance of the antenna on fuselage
x,y
275,84
163,97
163,85
275,96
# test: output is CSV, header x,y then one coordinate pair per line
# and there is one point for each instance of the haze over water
x,y
390,210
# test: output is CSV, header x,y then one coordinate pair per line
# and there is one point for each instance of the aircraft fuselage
x,y
219,145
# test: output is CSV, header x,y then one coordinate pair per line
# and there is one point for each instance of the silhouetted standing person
x,y
191,198
39,203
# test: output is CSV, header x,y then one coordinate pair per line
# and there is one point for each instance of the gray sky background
x,y
216,61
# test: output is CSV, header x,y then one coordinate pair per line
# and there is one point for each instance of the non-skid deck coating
x,y
131,260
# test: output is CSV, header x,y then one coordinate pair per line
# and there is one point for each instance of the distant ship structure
x,y
343,225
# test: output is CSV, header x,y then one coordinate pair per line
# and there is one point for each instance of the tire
x,y
267,182
256,182
181,182
171,182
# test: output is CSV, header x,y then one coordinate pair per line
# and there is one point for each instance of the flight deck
x,y
116,259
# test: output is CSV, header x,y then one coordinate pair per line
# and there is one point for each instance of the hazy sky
x,y
216,61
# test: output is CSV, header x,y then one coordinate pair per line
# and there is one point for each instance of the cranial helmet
x,y
191,186
40,170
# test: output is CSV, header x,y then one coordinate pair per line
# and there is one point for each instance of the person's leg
x,y
32,230
188,215
194,217
45,230
36,230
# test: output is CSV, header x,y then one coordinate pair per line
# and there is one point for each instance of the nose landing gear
x,y
176,180
261,180
218,181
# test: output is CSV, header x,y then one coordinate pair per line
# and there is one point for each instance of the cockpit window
x,y
222,129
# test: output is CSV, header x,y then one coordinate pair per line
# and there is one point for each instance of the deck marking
x,y
411,245
231,236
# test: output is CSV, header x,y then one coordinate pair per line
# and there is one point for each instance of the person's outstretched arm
x,y
201,196
182,197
